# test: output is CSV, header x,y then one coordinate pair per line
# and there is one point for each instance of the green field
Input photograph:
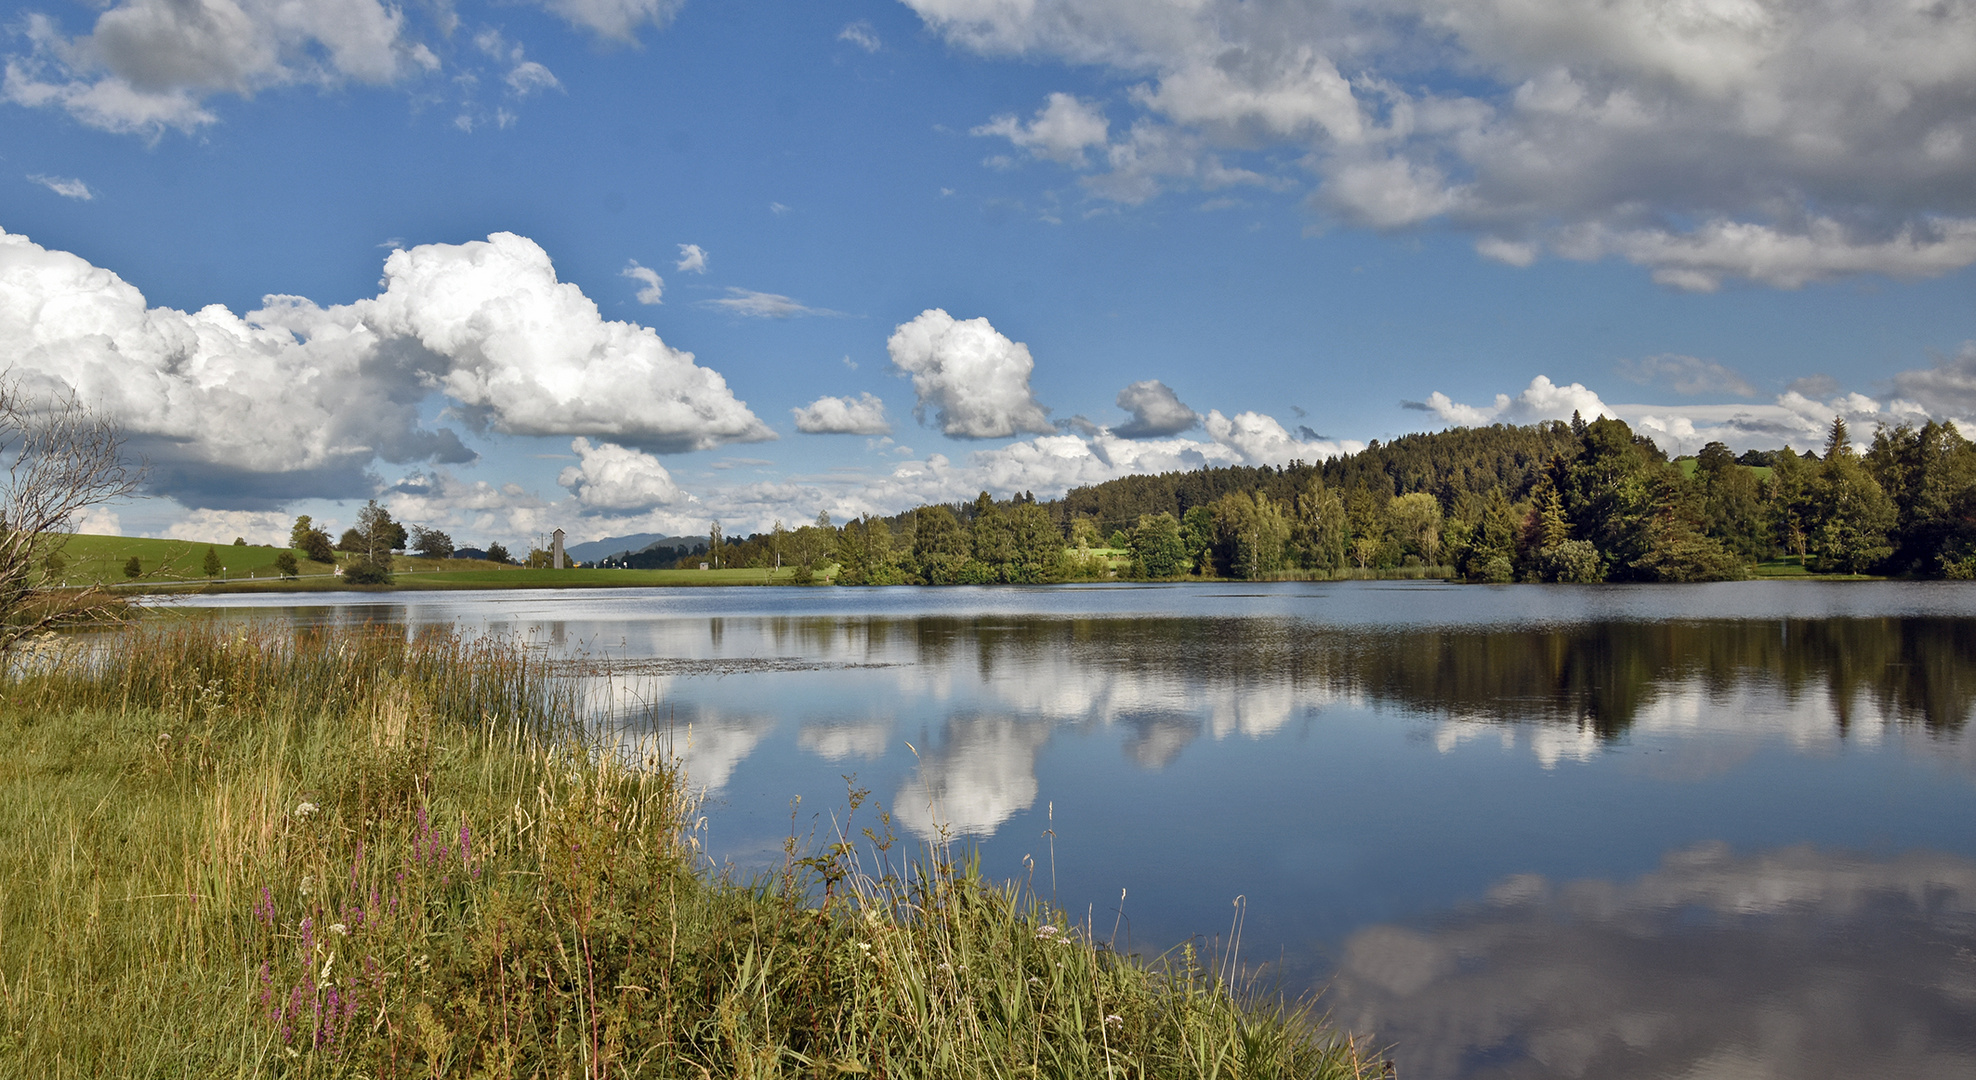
x,y
170,564
100,560
1687,465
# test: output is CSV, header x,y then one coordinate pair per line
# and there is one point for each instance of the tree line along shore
x,y
1553,502
1579,501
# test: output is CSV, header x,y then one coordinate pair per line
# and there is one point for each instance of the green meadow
x,y
179,564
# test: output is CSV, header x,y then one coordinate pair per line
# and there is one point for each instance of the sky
x,y
632,266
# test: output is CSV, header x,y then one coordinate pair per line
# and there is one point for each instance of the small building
x,y
556,549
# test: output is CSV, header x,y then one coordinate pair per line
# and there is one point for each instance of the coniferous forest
x,y
1583,501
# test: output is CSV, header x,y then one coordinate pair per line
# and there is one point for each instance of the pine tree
x,y
1838,441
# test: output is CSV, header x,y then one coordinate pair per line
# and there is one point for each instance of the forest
x,y
1578,501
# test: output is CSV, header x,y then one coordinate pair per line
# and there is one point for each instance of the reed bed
x,y
366,854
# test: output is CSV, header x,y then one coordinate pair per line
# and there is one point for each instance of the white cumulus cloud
x,y
529,355
1541,400
1060,131
1261,440
692,259
221,526
296,400
973,379
613,477
862,415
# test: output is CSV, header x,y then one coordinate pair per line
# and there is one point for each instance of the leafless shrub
x,y
60,457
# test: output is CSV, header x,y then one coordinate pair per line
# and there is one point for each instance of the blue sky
x,y
1054,241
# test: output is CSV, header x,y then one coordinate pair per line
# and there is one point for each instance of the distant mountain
x,y
592,550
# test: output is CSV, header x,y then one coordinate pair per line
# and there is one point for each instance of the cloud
x,y
1387,192
1791,962
530,355
653,287
863,415
297,400
613,477
1061,130
842,740
147,64
1047,466
975,380
503,513
1946,390
528,76
862,35
1814,386
67,189
762,305
221,526
511,514
1541,400
692,259
1261,440
983,775
1782,143
616,20
98,521
1822,250
1686,374
1156,411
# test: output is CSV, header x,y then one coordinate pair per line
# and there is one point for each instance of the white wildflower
x,y
339,929
305,809
1115,1020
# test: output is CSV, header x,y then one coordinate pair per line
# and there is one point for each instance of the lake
x,y
1719,830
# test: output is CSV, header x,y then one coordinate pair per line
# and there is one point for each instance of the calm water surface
x,y
1710,831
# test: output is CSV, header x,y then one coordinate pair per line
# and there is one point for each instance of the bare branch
x,y
60,457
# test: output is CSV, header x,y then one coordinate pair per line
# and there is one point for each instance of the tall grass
x,y
355,853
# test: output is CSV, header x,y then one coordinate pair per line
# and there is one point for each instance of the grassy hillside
x,y
101,559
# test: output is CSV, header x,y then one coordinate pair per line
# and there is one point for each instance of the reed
x,y
363,853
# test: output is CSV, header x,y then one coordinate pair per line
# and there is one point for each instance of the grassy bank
x,y
170,566
362,855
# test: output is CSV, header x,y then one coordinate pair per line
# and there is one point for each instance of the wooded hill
x,y
1573,502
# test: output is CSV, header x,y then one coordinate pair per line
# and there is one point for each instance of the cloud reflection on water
x,y
981,775
989,692
1795,963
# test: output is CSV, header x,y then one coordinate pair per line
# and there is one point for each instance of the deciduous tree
x,y
60,458
431,543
